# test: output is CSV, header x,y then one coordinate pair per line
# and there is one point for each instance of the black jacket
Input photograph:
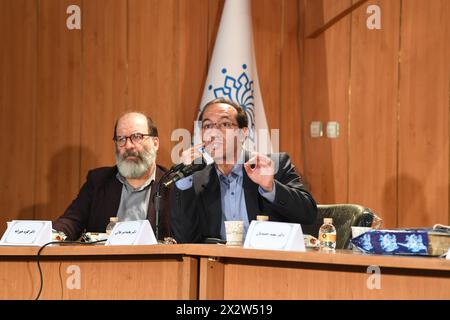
x,y
196,213
99,199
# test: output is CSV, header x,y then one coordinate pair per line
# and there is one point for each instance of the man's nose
x,y
216,133
129,144
211,135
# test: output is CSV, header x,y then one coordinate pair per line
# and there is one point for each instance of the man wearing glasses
x,y
239,185
125,190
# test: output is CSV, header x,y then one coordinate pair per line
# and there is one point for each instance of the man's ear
x,y
156,143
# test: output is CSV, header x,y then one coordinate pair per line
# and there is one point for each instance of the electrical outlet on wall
x,y
316,129
333,129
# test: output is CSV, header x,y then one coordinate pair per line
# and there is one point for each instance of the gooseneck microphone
x,y
157,198
177,167
181,170
197,165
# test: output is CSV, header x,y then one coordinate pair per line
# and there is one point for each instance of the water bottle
x,y
327,235
111,224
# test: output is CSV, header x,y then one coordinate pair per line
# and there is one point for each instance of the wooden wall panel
x,y
290,70
325,82
266,15
60,88
424,104
18,39
215,8
153,65
373,111
104,80
193,67
58,110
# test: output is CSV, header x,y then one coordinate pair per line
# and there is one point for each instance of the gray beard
x,y
135,169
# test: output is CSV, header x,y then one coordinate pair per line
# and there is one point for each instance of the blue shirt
x,y
232,196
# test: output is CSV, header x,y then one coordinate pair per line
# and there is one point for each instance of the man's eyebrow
x,y
222,117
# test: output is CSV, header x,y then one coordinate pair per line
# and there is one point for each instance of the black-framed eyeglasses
x,y
220,125
135,138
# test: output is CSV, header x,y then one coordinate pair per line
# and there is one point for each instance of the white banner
x,y
233,74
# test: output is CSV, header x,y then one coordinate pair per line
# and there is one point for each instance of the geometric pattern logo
x,y
240,91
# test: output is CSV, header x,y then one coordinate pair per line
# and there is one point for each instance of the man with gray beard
x,y
125,190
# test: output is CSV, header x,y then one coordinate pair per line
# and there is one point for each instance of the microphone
x,y
177,167
157,198
182,171
197,165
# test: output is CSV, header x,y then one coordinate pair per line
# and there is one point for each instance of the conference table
x,y
213,271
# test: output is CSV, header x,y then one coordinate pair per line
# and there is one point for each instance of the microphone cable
x,y
38,256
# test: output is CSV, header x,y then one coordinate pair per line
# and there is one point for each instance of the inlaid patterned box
x,y
427,242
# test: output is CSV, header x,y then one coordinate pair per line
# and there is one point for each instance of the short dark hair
x,y
152,130
241,117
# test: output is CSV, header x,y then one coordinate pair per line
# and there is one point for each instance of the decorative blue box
x,y
401,241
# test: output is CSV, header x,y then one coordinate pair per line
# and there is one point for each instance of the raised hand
x,y
260,169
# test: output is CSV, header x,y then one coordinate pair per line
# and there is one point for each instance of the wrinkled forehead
x,y
218,111
131,123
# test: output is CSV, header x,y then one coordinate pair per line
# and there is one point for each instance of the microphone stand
x,y
183,171
157,198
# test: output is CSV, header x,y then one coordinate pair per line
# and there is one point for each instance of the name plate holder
x,y
138,232
270,235
27,233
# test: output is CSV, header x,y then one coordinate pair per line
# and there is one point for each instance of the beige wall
x,y
61,90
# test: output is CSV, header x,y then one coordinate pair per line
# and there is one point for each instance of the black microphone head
x,y
197,165
177,167
178,175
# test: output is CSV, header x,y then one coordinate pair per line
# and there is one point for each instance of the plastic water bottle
x,y
111,224
327,235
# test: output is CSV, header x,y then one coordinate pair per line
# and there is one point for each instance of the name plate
x,y
271,235
27,233
131,233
